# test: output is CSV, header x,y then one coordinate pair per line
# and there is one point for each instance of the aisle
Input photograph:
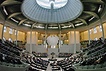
x,y
49,68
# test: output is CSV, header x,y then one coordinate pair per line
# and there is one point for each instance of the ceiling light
x,y
39,27
67,26
4,9
91,18
78,24
28,25
14,20
99,9
53,27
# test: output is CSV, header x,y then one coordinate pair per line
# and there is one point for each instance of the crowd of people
x,y
9,53
40,54
64,54
67,63
36,64
96,54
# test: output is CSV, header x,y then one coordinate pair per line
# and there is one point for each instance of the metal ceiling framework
x,y
14,14
84,17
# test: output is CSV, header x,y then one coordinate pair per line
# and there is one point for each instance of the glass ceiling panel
x,y
42,10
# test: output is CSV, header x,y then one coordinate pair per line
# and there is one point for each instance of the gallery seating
x,y
36,64
95,59
10,59
44,55
64,54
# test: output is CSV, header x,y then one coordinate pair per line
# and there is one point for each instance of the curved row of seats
x,y
7,46
97,49
64,54
10,59
96,59
13,67
40,54
36,64
99,52
54,66
98,67
66,64
95,62
93,44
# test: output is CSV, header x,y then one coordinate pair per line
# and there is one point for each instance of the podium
x,y
52,57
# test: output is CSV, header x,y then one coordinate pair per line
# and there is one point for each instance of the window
x,y
95,30
100,27
5,28
11,31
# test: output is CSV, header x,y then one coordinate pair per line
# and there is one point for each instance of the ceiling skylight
x,y
52,11
47,3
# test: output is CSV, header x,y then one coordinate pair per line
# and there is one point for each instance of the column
x,y
46,37
36,38
74,41
45,43
2,32
102,31
16,33
102,28
30,51
59,41
32,41
89,36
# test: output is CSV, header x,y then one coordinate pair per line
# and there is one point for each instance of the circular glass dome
x,y
56,3
71,9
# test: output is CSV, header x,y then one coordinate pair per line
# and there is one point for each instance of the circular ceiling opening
x,y
48,3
